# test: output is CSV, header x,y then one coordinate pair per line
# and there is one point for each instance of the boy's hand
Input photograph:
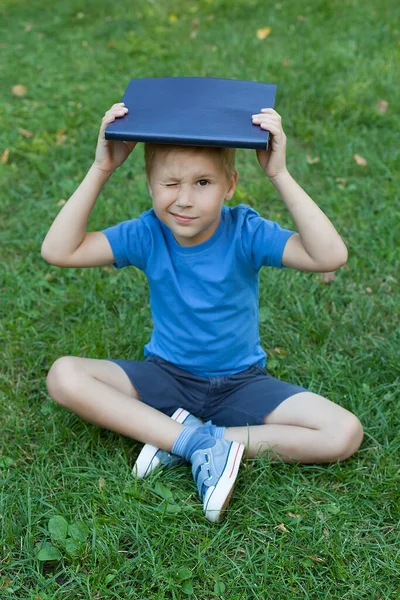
x,y
273,160
110,154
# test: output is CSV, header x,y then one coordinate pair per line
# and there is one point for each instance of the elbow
x,y
50,257
337,259
344,259
341,256
46,254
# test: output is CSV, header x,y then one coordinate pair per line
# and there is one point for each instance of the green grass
x,y
149,540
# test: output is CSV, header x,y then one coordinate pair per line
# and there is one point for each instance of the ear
x,y
149,188
232,186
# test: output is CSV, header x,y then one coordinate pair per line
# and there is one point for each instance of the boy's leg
x,y
304,428
99,391
151,457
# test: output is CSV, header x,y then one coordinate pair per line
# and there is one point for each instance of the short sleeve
x,y
263,240
130,242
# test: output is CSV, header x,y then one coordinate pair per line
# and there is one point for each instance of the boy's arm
x,y
67,244
317,246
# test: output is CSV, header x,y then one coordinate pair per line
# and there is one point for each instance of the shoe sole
x,y
147,460
219,498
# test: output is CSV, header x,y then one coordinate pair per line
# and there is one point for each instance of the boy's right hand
x,y
110,154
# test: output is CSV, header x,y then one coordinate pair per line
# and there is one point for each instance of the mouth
x,y
183,219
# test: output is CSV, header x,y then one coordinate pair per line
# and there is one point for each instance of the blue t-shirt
x,y
204,298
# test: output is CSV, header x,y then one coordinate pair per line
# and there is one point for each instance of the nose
x,y
183,198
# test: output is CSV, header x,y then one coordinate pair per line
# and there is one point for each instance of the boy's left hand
x,y
273,160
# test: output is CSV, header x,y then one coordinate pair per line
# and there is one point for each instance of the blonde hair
x,y
224,157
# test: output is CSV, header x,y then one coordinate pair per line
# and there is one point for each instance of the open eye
x,y
203,182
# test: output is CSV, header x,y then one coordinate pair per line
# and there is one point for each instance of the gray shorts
x,y
245,398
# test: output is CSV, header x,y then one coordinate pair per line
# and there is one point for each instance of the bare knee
x,y
347,437
63,378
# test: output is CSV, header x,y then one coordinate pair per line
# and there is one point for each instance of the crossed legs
x,y
304,428
100,392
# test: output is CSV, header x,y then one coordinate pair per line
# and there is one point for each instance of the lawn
x,y
73,522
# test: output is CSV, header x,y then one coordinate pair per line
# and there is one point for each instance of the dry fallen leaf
x,y
328,277
101,482
341,181
25,132
301,18
281,527
317,559
6,583
19,90
28,27
360,160
61,137
108,269
4,156
263,33
312,161
368,290
294,516
314,501
382,106
61,202
280,351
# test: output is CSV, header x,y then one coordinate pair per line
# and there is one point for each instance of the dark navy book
x,y
194,111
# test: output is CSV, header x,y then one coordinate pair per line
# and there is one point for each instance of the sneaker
x,y
215,470
151,457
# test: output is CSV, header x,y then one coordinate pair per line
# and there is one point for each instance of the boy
x,y
204,361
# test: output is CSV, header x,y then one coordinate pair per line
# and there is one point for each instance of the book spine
x,y
179,141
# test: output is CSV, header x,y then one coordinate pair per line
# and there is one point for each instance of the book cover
x,y
195,111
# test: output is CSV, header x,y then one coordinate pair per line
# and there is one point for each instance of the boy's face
x,y
188,189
